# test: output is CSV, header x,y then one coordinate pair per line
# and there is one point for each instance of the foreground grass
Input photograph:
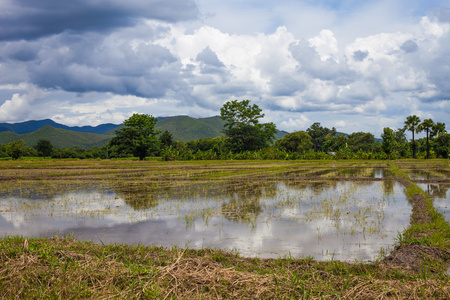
x,y
61,268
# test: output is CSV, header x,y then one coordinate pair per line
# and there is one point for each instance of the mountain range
x,y
30,126
182,128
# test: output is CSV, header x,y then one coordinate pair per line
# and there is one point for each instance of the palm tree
x,y
412,124
427,126
438,129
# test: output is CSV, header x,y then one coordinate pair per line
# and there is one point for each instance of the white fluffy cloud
x,y
20,105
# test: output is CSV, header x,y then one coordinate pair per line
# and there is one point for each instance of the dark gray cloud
x,y
409,46
286,85
93,62
360,55
439,70
20,51
233,88
31,19
208,57
209,62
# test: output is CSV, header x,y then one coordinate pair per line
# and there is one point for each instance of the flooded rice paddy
x,y
434,180
345,220
415,174
440,194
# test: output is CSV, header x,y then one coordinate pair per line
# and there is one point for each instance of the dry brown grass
x,y
63,268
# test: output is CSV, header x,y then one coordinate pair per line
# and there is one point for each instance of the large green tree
x,y
3,150
16,149
297,141
441,140
427,126
442,145
243,130
166,139
138,136
334,142
394,143
318,135
44,148
412,124
403,147
363,141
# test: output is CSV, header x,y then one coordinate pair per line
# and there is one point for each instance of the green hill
x,y
8,137
183,128
30,126
60,138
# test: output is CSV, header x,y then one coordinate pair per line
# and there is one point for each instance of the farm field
x,y
225,229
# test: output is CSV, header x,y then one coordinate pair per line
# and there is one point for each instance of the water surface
x,y
440,194
325,220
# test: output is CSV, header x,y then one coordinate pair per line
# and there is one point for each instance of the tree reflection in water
x,y
388,186
437,190
245,200
138,196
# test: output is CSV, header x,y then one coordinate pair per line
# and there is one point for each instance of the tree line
x,y
247,138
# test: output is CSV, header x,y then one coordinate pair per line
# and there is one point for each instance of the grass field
x,y
63,268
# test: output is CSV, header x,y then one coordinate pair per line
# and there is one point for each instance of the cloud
x,y
360,55
208,57
323,62
434,58
29,19
325,44
409,46
20,51
93,62
324,67
360,90
372,107
442,14
287,84
301,122
20,106
210,64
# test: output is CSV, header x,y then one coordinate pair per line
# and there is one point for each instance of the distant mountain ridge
x,y
30,126
183,128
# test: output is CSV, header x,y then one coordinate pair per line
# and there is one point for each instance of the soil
x,y
431,181
414,257
420,214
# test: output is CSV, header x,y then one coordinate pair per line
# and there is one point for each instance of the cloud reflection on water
x,y
340,220
440,194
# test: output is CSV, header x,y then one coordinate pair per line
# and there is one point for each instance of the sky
x,y
353,65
